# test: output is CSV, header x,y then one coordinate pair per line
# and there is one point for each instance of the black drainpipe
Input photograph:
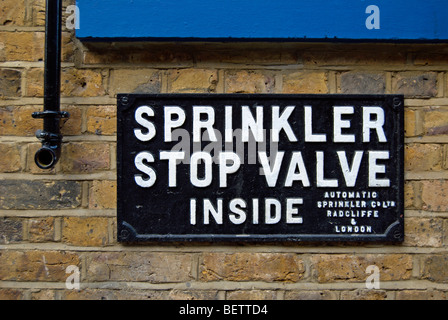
x,y
48,155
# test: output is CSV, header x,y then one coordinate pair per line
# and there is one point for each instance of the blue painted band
x,y
264,19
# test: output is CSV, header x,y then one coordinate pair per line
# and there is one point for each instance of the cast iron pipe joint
x,y
48,155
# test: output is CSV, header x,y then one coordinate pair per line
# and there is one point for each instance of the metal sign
x,y
260,167
327,20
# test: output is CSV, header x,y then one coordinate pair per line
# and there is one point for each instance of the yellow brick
x,y
85,231
41,229
22,46
434,195
36,265
134,81
364,294
35,82
17,121
423,157
252,295
10,157
411,194
269,267
11,294
82,83
38,12
103,195
102,120
10,83
421,232
192,81
413,123
305,82
12,12
435,268
143,266
343,267
420,295
85,157
249,82
436,121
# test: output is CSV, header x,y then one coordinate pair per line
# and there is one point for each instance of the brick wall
x,y
50,220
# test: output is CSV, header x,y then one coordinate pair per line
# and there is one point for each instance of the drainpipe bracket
x,y
50,114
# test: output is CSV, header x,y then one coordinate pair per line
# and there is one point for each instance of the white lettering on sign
x,y
148,125
254,125
368,124
172,157
206,124
238,210
148,171
374,168
171,123
309,136
373,120
280,122
340,124
196,158
350,174
204,118
210,165
224,169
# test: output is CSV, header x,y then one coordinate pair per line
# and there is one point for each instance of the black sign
x,y
260,167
